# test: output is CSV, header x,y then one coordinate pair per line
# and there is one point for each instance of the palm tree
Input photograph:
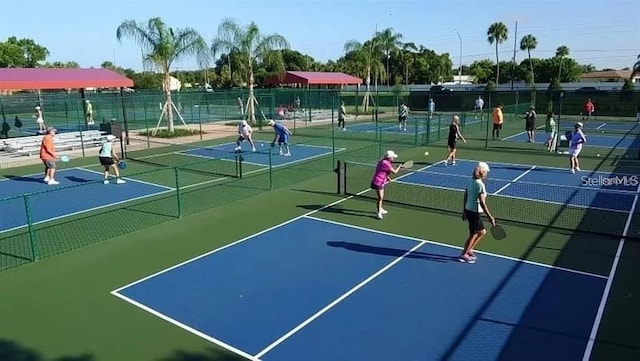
x,y
528,43
408,57
636,68
368,54
389,43
162,46
497,34
561,52
252,46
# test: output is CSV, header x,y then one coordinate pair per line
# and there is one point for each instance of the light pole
x,y
460,66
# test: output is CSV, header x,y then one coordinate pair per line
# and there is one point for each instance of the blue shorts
x,y
283,139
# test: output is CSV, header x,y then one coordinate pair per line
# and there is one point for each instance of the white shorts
x,y
574,151
39,120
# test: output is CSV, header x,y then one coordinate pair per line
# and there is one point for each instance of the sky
x,y
597,32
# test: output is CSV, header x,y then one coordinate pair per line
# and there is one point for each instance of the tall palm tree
x,y
253,46
162,46
497,34
636,68
528,43
389,43
368,54
561,52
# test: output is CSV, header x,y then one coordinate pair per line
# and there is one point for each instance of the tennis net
x,y
203,157
587,209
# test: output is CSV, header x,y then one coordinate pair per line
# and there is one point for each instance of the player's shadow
x,y
75,179
391,252
339,210
24,179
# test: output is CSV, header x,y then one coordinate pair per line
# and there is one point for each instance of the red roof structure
x,y
60,78
314,78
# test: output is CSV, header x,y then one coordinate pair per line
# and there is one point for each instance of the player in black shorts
x,y
454,134
530,124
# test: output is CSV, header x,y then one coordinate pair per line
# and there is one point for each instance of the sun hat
x,y
391,154
579,125
271,122
484,167
51,129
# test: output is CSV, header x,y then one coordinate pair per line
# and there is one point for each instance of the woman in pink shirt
x,y
381,177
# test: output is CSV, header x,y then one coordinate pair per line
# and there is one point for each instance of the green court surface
x,y
61,307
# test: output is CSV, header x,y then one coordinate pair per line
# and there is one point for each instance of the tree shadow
x,y
208,355
391,252
12,351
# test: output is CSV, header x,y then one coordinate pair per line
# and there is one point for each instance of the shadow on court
x,y
12,351
339,210
391,252
35,179
207,355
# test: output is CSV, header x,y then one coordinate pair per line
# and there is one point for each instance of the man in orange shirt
x,y
48,156
587,110
498,119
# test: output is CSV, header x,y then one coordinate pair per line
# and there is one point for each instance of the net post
x,y
333,128
344,177
32,234
270,169
338,171
176,171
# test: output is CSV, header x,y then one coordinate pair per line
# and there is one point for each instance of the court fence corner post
x,y
35,251
176,171
271,169
338,171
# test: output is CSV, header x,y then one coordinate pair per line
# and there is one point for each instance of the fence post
x,y
333,129
32,234
270,168
177,177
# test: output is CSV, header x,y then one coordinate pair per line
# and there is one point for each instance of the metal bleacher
x,y
28,146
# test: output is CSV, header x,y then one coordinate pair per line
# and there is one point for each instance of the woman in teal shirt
x,y
109,159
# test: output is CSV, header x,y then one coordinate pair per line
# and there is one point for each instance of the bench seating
x,y
28,146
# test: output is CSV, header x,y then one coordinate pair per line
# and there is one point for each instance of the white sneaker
x,y
287,155
280,153
379,216
238,148
106,181
253,149
46,179
383,211
52,182
573,170
577,169
120,181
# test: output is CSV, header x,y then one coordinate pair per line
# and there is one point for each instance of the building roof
x,y
60,78
607,74
315,78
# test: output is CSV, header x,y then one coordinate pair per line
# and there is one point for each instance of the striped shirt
x,y
404,111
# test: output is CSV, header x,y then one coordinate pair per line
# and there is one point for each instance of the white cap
x,y
391,154
244,123
271,122
484,167
111,137
579,124
37,107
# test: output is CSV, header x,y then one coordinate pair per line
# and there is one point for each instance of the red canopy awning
x,y
314,78
60,78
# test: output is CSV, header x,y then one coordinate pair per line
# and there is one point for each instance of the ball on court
x,y
426,153
262,144
597,155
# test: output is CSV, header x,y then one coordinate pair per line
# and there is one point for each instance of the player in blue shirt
x,y
282,136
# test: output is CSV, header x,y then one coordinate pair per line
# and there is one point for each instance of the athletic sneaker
x,y
52,182
379,215
383,211
464,259
46,179
120,181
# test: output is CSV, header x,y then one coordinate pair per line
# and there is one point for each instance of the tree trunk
x,y
251,110
497,66
531,66
168,102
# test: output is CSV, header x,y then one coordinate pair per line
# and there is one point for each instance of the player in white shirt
x,y
244,129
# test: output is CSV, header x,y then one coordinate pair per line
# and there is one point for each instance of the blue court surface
x,y
603,126
299,153
593,140
317,290
392,127
80,190
586,189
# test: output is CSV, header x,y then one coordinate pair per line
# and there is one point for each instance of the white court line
x,y
187,328
422,241
116,292
601,125
543,167
131,179
607,289
336,301
514,180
